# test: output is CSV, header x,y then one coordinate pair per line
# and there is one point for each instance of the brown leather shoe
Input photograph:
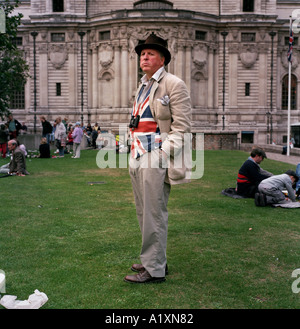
x,y
140,267
143,277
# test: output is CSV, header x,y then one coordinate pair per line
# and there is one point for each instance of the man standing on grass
x,y
47,129
161,116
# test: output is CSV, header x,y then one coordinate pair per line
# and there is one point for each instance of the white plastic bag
x,y
34,301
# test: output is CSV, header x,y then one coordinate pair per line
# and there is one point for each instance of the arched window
x,y
285,89
248,5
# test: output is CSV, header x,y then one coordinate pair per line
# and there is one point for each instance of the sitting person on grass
x,y
44,148
250,174
17,165
270,190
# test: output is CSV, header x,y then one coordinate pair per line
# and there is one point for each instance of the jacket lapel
x,y
152,92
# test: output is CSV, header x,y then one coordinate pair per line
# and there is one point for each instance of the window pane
x,y
105,35
248,37
58,89
247,89
285,87
57,37
247,137
18,100
200,35
248,5
18,41
58,5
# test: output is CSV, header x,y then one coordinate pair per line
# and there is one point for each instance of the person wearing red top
x,y
70,139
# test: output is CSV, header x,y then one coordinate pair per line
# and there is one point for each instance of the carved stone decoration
x,y
92,36
43,48
284,60
105,55
199,56
248,56
235,34
115,32
198,75
58,55
106,75
135,34
140,33
262,34
44,35
71,35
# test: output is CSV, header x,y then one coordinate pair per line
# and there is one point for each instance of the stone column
x,y
278,86
179,68
43,73
124,74
95,76
117,78
210,96
72,75
233,70
216,79
132,78
263,92
188,66
28,82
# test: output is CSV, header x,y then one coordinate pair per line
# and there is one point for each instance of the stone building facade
x,y
237,79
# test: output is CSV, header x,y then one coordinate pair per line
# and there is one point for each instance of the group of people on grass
x,y
162,112
61,134
263,186
66,136
10,146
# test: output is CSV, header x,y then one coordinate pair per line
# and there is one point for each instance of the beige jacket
x,y
171,109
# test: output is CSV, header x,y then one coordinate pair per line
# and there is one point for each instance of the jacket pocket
x,y
162,111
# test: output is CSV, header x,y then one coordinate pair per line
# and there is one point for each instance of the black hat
x,y
155,42
292,173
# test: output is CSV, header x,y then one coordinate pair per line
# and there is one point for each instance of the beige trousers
x,y
151,195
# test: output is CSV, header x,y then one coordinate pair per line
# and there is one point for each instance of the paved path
x,y
291,159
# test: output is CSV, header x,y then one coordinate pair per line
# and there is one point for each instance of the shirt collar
x,y
250,158
155,76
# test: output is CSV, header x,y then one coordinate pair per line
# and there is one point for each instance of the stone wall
x,y
219,140
209,7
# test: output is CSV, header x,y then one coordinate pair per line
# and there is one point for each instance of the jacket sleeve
x,y
291,191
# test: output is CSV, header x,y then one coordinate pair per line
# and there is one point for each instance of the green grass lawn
x,y
75,241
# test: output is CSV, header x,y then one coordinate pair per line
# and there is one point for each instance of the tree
x,y
14,70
